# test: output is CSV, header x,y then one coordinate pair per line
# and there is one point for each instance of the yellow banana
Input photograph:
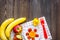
x,y
14,23
3,27
0,32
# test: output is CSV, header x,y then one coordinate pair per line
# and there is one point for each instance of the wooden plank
x,y
53,19
20,8
58,20
36,8
15,8
30,10
2,11
9,8
24,8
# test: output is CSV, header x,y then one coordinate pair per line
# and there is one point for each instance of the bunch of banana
x,y
8,25
3,27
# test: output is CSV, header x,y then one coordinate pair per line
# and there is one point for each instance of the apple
x,y
17,37
17,29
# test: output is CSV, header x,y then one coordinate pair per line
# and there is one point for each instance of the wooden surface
x,y
33,8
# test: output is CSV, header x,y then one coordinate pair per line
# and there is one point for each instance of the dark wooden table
x,y
33,8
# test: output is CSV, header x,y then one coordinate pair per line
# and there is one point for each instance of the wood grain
x,y
33,8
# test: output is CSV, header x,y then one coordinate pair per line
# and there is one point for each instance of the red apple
x,y
17,29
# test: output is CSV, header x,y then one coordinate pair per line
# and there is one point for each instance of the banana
x,y
3,27
0,32
14,23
